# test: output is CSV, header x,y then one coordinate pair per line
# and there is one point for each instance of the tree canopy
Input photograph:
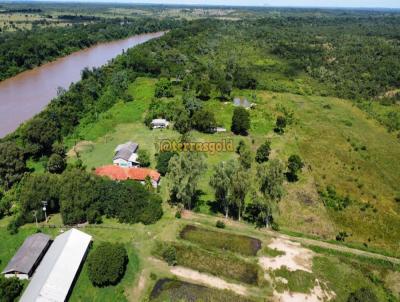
x,y
107,264
240,121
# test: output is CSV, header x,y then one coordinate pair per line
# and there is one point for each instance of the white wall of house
x,y
18,275
122,162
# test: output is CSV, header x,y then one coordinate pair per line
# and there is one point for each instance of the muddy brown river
x,y
26,94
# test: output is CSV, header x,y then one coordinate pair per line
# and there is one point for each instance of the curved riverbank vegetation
x,y
26,49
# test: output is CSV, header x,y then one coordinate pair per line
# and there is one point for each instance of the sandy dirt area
x,y
295,258
207,280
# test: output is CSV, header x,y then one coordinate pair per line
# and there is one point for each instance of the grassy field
x,y
208,239
362,163
144,272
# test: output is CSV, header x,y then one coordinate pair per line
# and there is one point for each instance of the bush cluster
x,y
107,264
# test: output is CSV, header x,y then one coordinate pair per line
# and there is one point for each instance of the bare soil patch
x,y
208,280
295,258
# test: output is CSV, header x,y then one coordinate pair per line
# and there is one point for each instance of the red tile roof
x,y
120,173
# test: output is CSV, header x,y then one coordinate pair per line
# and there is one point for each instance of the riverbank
x,y
27,93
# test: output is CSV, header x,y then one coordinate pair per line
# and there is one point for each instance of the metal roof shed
x,y
28,256
55,275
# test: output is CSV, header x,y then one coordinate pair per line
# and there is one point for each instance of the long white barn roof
x,y
54,276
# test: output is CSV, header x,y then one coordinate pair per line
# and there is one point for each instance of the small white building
x,y
125,155
56,273
159,123
219,130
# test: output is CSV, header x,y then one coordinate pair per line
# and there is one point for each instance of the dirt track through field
x,y
208,280
305,241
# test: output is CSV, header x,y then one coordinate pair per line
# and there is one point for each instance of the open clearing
x,y
295,257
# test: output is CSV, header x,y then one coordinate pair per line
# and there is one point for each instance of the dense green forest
x,y
210,59
27,49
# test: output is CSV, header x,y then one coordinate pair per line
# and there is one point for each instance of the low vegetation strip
x,y
342,254
208,239
175,290
215,263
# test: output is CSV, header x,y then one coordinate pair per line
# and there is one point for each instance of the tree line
x,y
22,50
80,197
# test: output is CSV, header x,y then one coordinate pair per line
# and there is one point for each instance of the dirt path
x,y
208,280
138,289
302,240
340,248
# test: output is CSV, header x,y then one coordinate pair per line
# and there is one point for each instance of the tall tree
x,y
240,187
39,136
221,181
12,164
203,88
204,121
34,189
240,121
182,122
271,176
191,103
163,159
183,176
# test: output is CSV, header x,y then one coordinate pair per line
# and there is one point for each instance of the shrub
x,y
275,226
56,164
169,254
363,294
10,289
295,164
332,200
341,236
220,224
163,89
263,152
107,264
178,215
143,158
13,227
280,124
